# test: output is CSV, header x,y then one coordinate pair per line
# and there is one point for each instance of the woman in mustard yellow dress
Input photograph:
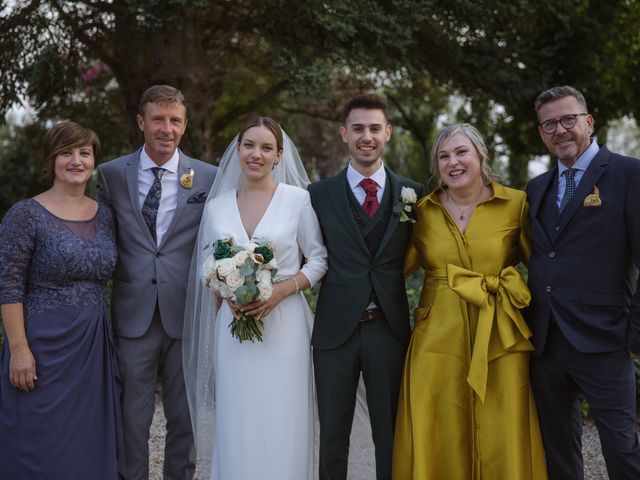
x,y
466,409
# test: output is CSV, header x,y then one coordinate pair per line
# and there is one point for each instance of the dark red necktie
x,y
370,204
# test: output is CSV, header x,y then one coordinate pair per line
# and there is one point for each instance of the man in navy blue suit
x,y
583,273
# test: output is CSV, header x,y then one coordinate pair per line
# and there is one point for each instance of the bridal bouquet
x,y
243,273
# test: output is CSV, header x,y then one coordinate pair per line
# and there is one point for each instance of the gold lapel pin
x,y
186,180
593,199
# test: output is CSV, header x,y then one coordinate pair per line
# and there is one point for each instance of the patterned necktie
x,y
152,202
569,188
370,204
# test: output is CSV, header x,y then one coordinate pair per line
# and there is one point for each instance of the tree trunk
x,y
173,56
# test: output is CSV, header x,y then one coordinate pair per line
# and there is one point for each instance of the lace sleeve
x,y
17,242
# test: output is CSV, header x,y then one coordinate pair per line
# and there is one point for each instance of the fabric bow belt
x,y
498,298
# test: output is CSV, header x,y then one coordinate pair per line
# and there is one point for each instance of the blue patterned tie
x,y
569,188
152,202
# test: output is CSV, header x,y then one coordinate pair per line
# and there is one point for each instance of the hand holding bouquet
x,y
243,274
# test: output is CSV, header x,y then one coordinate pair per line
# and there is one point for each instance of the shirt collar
x,y
354,177
583,161
146,163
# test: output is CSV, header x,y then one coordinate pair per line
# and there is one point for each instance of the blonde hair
x,y
476,140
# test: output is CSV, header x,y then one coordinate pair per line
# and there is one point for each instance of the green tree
x,y
228,57
232,58
20,164
507,52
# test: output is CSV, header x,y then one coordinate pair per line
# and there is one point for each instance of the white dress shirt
x,y
354,178
169,199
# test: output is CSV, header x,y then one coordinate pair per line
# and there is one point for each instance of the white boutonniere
x,y
404,208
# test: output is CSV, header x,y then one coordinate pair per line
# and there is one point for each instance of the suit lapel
x,y
535,200
394,220
589,179
338,194
184,166
131,174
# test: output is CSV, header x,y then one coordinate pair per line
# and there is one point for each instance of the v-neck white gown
x,y
264,390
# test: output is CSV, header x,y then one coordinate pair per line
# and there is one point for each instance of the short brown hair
x,y
268,123
64,136
161,94
475,137
366,101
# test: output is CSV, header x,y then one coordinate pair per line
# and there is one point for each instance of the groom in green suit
x,y
362,316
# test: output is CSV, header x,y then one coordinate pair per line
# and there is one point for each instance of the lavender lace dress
x,y
69,427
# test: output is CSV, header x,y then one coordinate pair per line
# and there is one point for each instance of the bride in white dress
x,y
262,392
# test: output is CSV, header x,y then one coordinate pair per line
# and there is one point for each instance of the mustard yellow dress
x,y
466,409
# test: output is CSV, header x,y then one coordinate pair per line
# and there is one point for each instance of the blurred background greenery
x,y
436,61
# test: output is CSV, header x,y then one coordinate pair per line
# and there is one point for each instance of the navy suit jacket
x,y
585,270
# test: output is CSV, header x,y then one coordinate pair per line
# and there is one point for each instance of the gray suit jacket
x,y
147,273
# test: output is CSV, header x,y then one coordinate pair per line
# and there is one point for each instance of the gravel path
x,y
361,466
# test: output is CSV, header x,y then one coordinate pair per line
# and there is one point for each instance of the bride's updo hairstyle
x,y
268,123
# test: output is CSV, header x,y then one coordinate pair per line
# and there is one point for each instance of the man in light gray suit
x,y
157,194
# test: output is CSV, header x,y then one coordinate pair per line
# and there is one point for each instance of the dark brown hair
x,y
161,94
65,136
268,123
366,101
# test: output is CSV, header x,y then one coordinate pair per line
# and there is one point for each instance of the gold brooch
x,y
593,199
186,180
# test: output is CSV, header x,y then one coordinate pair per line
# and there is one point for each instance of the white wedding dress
x,y
264,404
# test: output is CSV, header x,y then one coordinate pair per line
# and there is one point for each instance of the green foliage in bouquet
x,y
223,249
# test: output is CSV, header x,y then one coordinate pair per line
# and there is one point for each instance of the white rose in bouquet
x,y
263,277
240,257
272,265
234,279
265,290
225,266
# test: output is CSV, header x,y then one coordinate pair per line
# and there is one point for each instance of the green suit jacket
x,y
353,271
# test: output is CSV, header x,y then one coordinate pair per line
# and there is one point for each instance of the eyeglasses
x,y
567,121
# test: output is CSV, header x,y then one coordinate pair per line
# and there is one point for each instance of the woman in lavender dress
x,y
59,387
